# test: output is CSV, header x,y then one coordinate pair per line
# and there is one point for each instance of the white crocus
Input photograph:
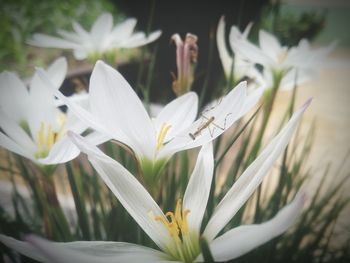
x,y
235,66
32,124
103,37
176,233
117,111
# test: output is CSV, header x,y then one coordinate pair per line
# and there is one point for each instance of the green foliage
x,y
20,19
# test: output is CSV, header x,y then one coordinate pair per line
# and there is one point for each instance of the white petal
x,y
247,30
117,106
224,54
62,151
269,44
70,36
83,34
57,71
140,39
179,113
243,239
250,52
16,133
24,248
12,146
123,30
198,188
101,28
73,106
225,113
14,96
41,40
94,251
251,178
132,195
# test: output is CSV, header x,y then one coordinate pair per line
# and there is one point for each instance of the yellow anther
x,y
164,129
175,223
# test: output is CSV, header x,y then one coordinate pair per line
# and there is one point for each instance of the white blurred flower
x,y
103,38
235,66
176,233
32,125
117,111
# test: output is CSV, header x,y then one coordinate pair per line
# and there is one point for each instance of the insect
x,y
209,121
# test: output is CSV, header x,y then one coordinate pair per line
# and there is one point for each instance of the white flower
x,y
117,112
176,234
235,66
102,38
277,58
32,124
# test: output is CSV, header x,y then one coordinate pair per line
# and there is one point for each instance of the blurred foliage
x,y
22,18
290,27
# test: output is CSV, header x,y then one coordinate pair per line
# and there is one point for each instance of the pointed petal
x,y
251,52
57,71
198,188
79,111
42,40
247,30
94,251
123,30
179,113
116,105
269,44
101,28
16,133
83,34
13,96
223,115
224,54
132,195
243,239
70,36
62,151
140,39
24,248
12,146
251,178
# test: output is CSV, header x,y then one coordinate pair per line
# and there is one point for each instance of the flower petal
x,y
269,45
251,178
179,113
14,96
101,28
42,40
140,39
243,239
12,146
132,195
123,30
250,52
198,188
117,106
79,111
218,119
62,151
94,251
16,133
224,54
24,248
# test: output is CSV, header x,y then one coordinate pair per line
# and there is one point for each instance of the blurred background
x,y
320,21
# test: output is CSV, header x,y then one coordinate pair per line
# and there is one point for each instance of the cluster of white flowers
x,y
34,127
295,65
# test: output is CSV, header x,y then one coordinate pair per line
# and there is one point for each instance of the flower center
x,y
164,129
47,137
185,247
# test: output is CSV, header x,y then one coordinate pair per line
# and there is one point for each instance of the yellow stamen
x,y
47,137
176,223
164,129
